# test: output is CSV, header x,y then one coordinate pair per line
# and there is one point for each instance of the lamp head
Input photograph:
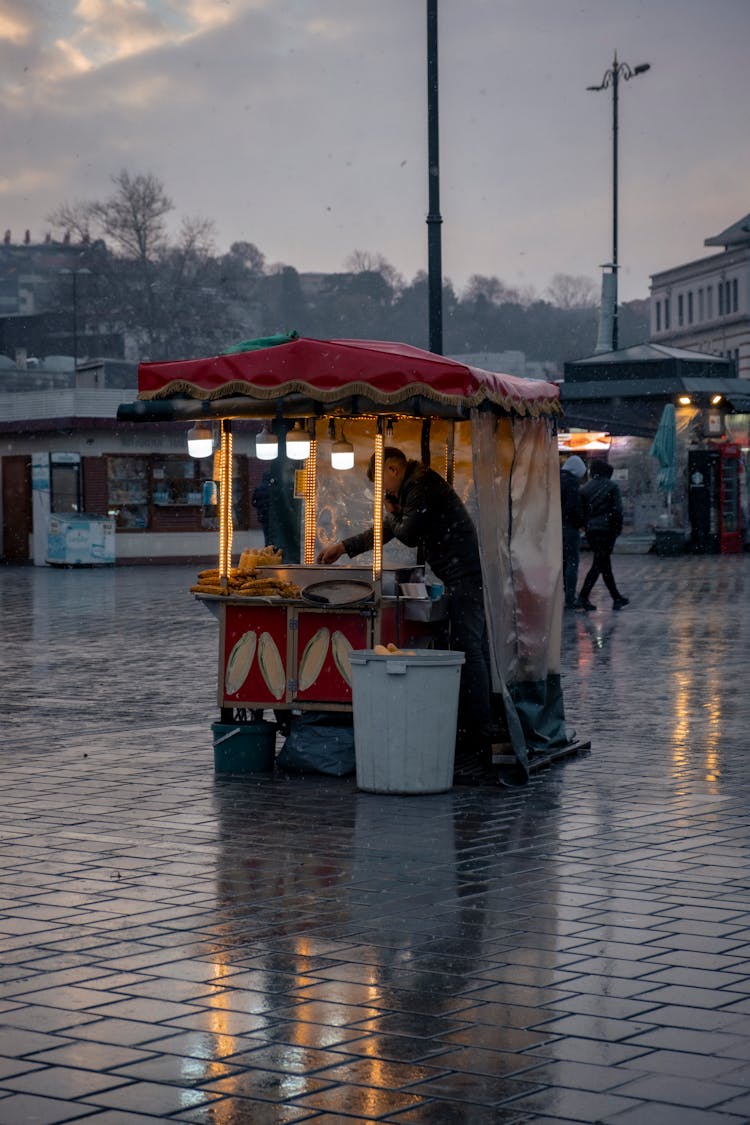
x,y
200,440
342,454
298,443
266,445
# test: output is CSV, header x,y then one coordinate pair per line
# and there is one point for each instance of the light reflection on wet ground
x,y
177,944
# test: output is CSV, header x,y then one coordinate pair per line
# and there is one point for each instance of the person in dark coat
x,y
602,516
261,501
278,511
571,475
423,511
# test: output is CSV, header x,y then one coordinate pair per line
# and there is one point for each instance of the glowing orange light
x,y
377,552
225,504
311,520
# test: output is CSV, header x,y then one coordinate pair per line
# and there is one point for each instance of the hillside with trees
x,y
173,298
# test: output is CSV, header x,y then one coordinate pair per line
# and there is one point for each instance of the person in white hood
x,y
571,475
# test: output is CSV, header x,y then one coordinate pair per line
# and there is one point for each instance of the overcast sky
x,y
301,126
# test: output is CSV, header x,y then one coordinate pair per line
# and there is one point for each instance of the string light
x,y
311,515
377,551
225,504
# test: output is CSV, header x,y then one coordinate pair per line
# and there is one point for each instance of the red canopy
x,y
329,371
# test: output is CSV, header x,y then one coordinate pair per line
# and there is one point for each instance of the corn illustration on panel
x,y
313,658
341,649
271,666
240,662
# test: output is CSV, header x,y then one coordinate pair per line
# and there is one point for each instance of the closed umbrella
x,y
664,448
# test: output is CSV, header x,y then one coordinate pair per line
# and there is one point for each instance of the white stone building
x,y
705,304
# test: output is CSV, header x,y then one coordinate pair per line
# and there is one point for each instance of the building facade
x,y
705,304
62,453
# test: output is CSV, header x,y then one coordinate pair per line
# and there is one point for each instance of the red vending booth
x,y
714,499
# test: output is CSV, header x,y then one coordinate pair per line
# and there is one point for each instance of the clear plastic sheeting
x,y
345,499
516,476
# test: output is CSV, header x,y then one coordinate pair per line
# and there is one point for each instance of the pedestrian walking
x,y
602,518
571,475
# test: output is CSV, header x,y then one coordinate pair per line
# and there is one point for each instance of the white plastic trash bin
x,y
405,713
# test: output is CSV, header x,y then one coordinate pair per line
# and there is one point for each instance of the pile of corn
x,y
391,650
243,581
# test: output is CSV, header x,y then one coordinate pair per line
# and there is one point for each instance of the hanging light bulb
x,y
200,440
298,443
266,445
342,452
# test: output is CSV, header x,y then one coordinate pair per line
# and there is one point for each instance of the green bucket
x,y
244,747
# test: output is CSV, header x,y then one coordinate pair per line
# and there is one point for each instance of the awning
x,y
331,374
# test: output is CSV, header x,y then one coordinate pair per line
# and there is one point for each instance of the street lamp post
x,y
434,220
74,282
611,78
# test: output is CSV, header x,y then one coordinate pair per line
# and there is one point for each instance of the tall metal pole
x,y
434,220
615,78
612,78
75,320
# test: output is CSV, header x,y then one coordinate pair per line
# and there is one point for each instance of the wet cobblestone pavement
x,y
180,945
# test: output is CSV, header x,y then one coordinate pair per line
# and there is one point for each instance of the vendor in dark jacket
x,y
423,511
602,515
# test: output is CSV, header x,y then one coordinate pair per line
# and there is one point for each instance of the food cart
x,y
285,631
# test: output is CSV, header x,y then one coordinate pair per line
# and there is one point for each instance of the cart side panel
x,y
220,611
324,639
253,668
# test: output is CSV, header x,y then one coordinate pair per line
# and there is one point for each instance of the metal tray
x,y
338,591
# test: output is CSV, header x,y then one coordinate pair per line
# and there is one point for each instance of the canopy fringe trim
x,y
527,407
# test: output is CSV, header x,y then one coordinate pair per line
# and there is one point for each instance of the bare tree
x,y
133,217
567,291
73,219
492,290
362,261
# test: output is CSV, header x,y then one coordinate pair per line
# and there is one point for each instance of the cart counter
x,y
285,653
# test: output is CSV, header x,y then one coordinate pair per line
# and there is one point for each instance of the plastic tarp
x,y
517,481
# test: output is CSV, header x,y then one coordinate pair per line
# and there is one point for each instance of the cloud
x,y
15,25
114,29
301,126
208,14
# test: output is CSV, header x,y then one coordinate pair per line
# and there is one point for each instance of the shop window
x,y
165,493
128,492
65,484
175,483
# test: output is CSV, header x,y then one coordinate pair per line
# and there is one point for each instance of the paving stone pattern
x,y
181,945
